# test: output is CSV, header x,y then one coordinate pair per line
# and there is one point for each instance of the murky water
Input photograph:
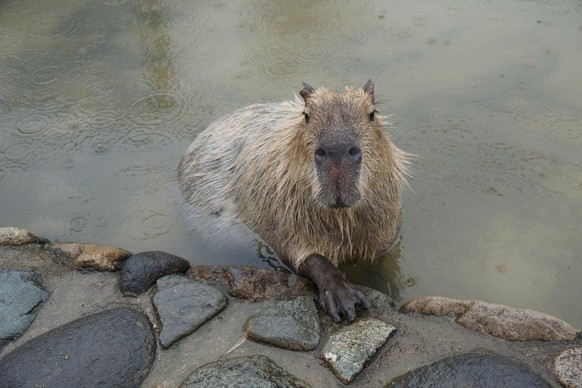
x,y
99,100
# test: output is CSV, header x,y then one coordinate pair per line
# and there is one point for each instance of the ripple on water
x,y
34,124
50,26
46,75
17,150
147,222
528,115
156,108
566,129
78,224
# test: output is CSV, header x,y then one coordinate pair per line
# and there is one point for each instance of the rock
x,y
252,283
18,236
348,349
141,270
111,348
471,370
494,319
41,258
183,305
251,371
97,257
290,325
568,367
20,293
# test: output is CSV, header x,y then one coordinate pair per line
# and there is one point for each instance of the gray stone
x,y
252,371
20,293
471,370
568,367
183,305
18,236
113,348
351,347
141,270
494,319
291,325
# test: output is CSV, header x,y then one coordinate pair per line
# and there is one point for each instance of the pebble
x,y
20,293
111,348
183,305
97,257
292,325
250,371
17,236
471,370
567,367
351,347
501,321
142,270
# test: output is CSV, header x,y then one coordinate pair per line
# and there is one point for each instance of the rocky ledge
x,y
87,315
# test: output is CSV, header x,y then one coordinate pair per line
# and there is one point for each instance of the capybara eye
x,y
371,116
319,154
306,117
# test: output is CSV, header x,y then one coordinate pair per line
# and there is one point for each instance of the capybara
x,y
319,180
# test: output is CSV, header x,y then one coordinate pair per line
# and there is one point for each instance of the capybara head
x,y
340,129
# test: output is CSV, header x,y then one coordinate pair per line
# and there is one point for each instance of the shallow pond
x,y
99,100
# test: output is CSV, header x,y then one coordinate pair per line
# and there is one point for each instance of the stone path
x,y
77,315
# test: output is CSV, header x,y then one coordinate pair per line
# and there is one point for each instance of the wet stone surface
x,y
142,270
498,320
471,370
17,236
567,367
112,348
253,371
351,347
97,257
291,325
183,305
20,293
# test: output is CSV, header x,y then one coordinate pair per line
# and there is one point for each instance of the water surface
x,y
99,100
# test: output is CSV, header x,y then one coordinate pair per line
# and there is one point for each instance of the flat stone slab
x,y
290,325
112,348
501,321
17,236
142,270
351,347
20,293
97,257
471,370
183,305
252,284
251,371
568,367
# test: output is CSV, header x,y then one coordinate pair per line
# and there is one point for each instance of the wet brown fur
x,y
257,166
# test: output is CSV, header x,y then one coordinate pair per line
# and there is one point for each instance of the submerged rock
x,y
253,284
251,371
111,348
471,370
501,321
20,293
568,367
97,257
141,270
18,236
351,347
290,325
183,305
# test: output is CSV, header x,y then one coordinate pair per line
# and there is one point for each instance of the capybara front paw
x,y
339,298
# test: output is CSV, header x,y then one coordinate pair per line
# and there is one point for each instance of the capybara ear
x,y
369,88
306,91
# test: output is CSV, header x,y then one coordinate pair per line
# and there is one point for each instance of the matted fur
x,y
256,165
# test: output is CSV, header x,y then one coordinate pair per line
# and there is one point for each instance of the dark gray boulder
x,y
251,371
142,270
20,293
113,348
471,370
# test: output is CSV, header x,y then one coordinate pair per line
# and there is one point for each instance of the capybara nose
x,y
349,152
